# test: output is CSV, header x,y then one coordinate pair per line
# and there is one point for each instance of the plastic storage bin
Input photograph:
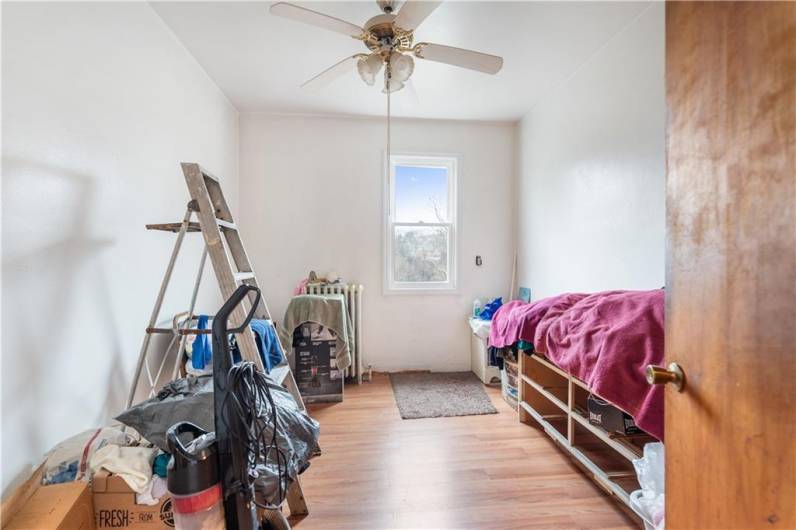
x,y
512,373
511,394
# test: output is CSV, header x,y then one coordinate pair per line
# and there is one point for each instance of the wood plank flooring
x,y
378,472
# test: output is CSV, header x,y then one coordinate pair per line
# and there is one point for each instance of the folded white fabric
x,y
133,464
154,491
480,327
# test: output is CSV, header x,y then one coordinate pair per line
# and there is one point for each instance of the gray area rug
x,y
438,394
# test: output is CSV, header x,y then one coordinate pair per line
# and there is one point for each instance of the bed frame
x,y
556,401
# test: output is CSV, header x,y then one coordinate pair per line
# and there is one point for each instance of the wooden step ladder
x,y
232,268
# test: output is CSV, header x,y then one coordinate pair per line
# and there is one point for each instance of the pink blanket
x,y
606,339
518,320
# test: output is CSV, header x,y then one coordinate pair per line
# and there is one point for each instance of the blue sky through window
x,y
419,191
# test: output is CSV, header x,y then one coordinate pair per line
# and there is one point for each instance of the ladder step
x,y
226,224
192,227
170,331
174,227
240,276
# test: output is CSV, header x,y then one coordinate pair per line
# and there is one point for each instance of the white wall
x,y
591,177
311,198
100,104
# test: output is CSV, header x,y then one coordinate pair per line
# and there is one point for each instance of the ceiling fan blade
x,y
482,62
413,13
331,73
411,91
308,16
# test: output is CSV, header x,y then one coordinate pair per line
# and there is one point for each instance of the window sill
x,y
421,291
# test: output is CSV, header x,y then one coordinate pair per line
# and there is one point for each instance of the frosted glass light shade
x,y
402,66
368,67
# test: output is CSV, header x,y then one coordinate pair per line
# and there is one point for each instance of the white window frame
x,y
453,164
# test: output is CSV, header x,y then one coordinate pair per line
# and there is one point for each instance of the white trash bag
x,y
649,501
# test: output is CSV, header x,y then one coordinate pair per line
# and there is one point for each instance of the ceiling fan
x,y
390,40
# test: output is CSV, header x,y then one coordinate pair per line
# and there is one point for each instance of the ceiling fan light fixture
x,y
368,67
402,67
395,86
391,84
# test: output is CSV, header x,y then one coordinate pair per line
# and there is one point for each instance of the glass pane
x,y
420,254
421,194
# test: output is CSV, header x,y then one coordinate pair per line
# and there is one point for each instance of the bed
x,y
605,340
578,345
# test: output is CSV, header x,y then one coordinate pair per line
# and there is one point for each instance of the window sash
x,y
420,223
431,284
445,202
449,163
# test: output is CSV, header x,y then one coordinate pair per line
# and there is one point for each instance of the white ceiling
x,y
259,60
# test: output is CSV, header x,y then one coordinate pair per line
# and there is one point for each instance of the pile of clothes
x,y
115,449
136,449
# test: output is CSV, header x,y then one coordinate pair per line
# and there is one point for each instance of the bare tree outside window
x,y
421,254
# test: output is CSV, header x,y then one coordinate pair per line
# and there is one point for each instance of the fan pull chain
x,y
389,148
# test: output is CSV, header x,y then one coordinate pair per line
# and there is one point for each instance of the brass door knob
x,y
658,375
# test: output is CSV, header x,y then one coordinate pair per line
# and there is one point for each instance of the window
x,y
421,224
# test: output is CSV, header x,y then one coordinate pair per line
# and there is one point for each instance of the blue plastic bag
x,y
490,309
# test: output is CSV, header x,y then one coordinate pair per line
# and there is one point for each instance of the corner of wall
x,y
182,46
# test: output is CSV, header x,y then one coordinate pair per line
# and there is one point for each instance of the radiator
x,y
353,298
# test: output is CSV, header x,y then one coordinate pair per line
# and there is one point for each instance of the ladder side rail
x,y
213,187
358,332
295,499
241,259
241,270
218,256
178,360
167,352
233,238
158,304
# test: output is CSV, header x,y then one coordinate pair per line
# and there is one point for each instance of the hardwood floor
x,y
378,471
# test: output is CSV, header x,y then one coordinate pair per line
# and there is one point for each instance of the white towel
x,y
154,491
133,464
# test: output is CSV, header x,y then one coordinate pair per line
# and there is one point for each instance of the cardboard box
x,y
610,418
115,507
315,365
57,507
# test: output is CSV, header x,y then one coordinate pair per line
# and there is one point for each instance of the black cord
x,y
249,404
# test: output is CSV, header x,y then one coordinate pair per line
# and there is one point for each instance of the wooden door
x,y
731,264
